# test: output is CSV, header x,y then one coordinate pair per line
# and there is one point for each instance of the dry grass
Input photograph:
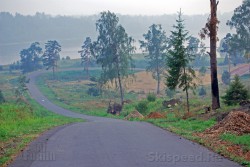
x,y
144,82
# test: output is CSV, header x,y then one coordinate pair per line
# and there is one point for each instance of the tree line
x,y
16,30
176,54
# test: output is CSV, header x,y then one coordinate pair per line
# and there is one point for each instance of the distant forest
x,y
18,31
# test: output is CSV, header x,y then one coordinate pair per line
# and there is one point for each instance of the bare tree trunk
x,y
119,80
158,86
120,87
187,97
158,81
53,69
87,69
213,60
188,108
158,77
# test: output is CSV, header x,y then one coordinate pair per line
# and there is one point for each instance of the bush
x,y
142,107
202,91
203,70
170,93
151,97
93,91
93,79
235,93
225,77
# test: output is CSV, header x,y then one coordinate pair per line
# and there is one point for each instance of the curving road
x,y
241,70
105,142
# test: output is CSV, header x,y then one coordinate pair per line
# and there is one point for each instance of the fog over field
x,y
19,31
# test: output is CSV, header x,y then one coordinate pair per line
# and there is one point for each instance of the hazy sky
x,y
87,7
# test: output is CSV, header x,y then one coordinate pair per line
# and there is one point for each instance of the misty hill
x,y
18,31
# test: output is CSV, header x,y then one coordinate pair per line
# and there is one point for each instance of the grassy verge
x,y
22,122
243,140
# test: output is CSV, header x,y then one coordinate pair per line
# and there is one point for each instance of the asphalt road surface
x,y
242,70
105,142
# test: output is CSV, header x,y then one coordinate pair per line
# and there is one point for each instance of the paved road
x,y
242,70
104,142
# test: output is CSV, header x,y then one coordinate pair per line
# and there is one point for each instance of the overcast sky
x,y
131,7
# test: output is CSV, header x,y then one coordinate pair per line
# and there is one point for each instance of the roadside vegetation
x,y
72,93
22,121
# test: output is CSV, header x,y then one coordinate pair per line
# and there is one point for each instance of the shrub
x,y
225,77
203,70
142,106
235,93
93,91
202,91
170,93
151,97
93,79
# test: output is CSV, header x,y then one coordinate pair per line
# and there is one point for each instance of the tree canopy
x,y
30,58
113,50
155,45
86,54
240,21
51,55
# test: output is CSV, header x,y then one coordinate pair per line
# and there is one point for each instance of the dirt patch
x,y
134,114
187,115
236,122
247,155
155,115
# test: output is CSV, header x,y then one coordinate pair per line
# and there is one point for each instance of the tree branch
x,y
209,54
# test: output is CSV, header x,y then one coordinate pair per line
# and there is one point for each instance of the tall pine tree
x,y
180,73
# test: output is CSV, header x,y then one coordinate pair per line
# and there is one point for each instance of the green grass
x,y
74,96
183,127
22,122
243,140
